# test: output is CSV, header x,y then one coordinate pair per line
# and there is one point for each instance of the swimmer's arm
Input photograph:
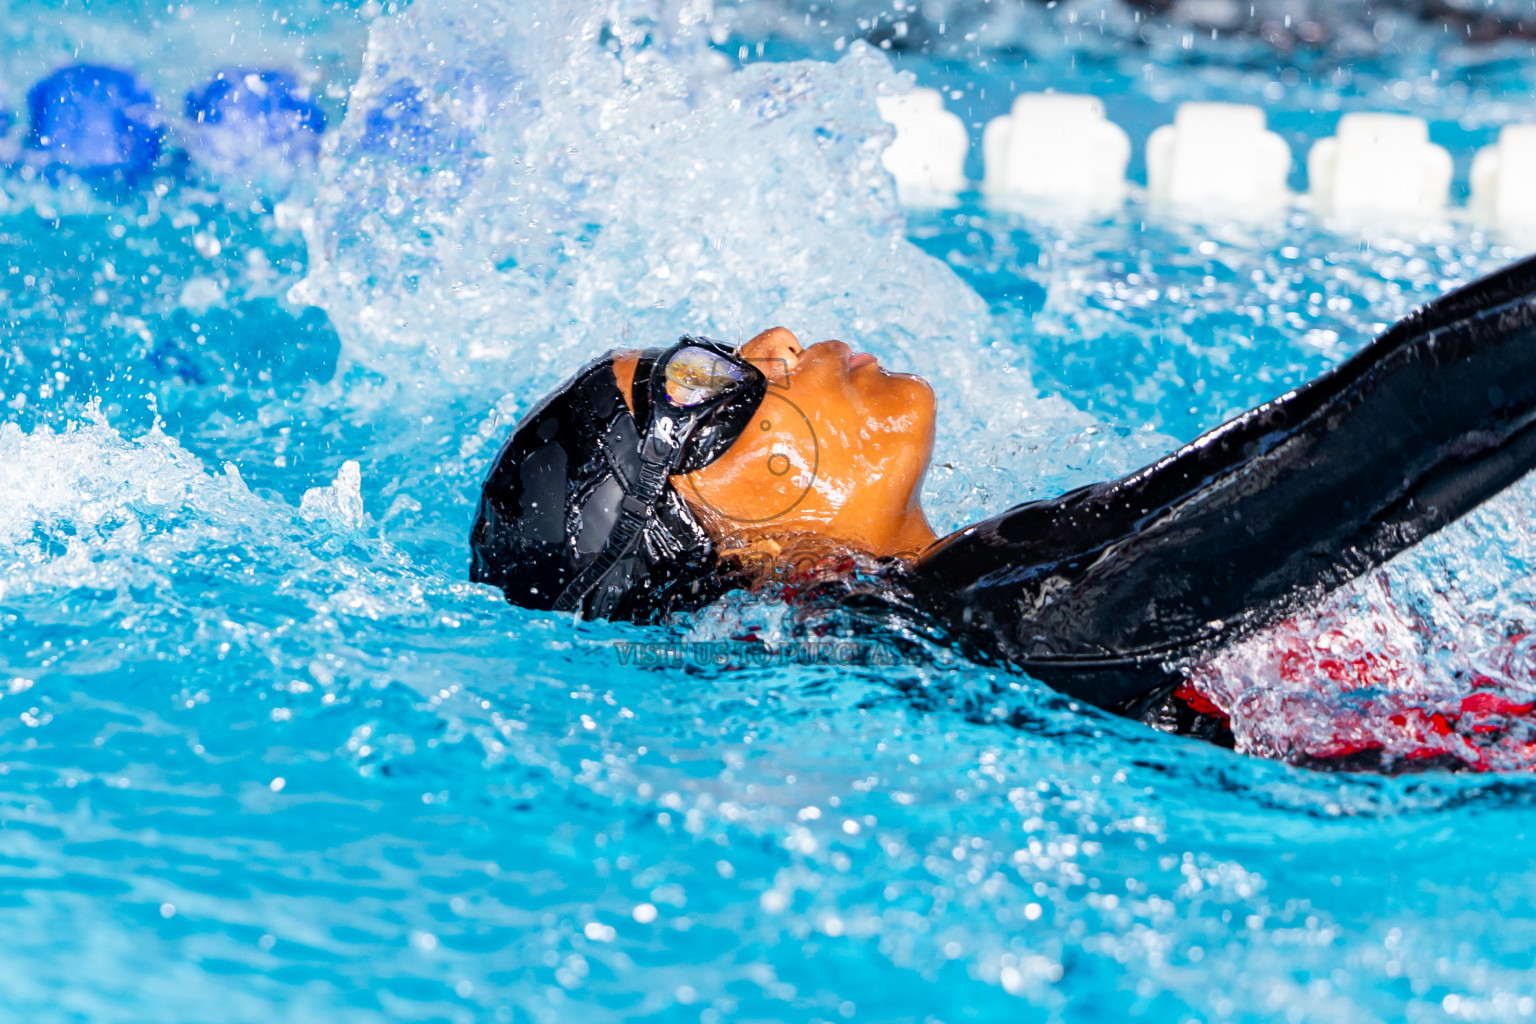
x,y
1266,512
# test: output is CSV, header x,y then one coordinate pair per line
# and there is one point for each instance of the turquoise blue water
x,y
265,755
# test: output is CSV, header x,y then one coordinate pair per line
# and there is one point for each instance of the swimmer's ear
x,y
625,362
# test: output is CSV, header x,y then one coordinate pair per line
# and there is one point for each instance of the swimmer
x,y
647,483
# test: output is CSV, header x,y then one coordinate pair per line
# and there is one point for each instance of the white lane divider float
x,y
1058,147
1504,180
927,159
1061,148
1222,155
1380,165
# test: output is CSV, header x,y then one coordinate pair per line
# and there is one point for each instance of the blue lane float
x,y
244,117
95,122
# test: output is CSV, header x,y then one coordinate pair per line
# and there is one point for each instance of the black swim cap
x,y
577,513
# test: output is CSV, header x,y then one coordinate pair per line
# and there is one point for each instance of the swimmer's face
x,y
838,449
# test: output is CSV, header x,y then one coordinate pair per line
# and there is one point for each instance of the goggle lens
x,y
697,375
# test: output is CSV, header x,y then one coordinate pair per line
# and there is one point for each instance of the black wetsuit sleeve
x,y
1103,591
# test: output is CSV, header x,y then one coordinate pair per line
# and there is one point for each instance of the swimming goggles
x,y
691,402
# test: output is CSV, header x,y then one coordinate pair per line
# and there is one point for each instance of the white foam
x,y
85,508
342,502
1447,619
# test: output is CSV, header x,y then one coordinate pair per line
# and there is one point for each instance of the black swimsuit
x,y
1105,591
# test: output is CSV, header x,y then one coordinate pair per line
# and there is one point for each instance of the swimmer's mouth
x,y
860,359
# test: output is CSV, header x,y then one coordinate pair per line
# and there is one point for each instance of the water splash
x,y
1424,663
342,502
492,218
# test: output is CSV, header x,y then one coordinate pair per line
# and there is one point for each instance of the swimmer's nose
x,y
776,352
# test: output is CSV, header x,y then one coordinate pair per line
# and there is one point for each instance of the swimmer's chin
x,y
920,393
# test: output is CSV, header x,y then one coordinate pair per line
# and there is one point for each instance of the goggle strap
x,y
620,542
637,510
659,458
640,389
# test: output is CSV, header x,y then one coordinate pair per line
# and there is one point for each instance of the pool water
x,y
267,756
